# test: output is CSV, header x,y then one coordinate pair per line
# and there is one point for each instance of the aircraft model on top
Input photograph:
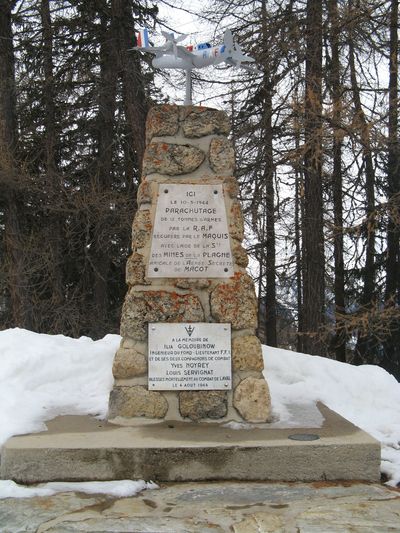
x,y
173,55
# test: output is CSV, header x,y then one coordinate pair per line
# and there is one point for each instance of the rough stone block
x,y
252,400
203,404
129,402
235,301
236,223
127,342
222,156
144,195
141,229
129,363
247,353
205,121
187,283
162,120
231,186
136,270
172,159
239,253
140,308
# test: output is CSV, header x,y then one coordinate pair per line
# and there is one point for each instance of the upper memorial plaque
x,y
190,235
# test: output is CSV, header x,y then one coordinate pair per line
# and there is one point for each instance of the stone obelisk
x,y
188,350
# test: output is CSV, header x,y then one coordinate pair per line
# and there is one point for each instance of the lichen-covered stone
x,y
236,223
162,120
141,228
129,363
235,301
231,186
136,270
134,401
247,353
127,342
172,159
142,307
203,404
239,254
144,195
205,121
252,400
187,283
222,156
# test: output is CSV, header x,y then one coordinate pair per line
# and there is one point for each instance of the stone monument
x,y
189,359
188,350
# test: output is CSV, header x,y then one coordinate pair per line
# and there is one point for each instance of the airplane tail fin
x,y
228,41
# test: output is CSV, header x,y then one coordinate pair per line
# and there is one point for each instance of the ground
x,y
213,507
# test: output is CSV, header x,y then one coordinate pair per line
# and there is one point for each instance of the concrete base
x,y
83,449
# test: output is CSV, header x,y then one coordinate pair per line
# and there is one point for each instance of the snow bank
x,y
42,376
366,395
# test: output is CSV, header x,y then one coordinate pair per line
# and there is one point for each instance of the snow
x,y
366,395
43,376
118,489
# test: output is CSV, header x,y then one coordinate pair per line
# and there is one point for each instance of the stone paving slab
x,y
236,507
84,449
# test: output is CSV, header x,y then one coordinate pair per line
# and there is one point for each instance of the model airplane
x,y
172,55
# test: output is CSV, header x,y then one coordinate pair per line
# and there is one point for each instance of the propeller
x,y
172,42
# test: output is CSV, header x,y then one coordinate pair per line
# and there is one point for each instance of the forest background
x,y
317,144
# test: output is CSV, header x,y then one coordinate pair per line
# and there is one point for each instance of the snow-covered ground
x,y
43,376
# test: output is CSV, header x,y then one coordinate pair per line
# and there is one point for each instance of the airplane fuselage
x,y
202,55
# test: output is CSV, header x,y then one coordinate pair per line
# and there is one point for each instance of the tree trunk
x,y
268,179
313,260
299,285
393,167
48,89
102,179
391,359
51,181
365,345
20,309
298,220
135,101
260,257
336,89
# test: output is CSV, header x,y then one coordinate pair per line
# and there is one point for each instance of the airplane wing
x,y
156,50
184,53
238,64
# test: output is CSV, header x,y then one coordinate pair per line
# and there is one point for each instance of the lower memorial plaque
x,y
190,356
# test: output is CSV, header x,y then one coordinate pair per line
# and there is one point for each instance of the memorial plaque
x,y
190,236
194,356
